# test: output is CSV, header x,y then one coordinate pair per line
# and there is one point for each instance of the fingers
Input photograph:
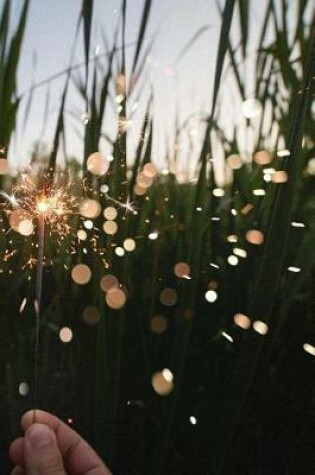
x,y
41,451
78,456
16,451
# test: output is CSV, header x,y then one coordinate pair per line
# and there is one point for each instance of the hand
x,y
49,446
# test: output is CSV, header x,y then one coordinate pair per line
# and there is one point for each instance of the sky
x,y
181,88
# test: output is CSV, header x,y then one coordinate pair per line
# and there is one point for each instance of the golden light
x,y
116,298
110,213
26,227
232,260
242,321
262,157
65,334
260,327
158,324
23,389
182,270
283,153
43,205
110,227
240,252
120,251
310,349
255,237
129,244
88,224
259,192
90,208
91,315
97,164
160,384
108,282
168,297
81,274
218,192
167,374
153,236
211,296
82,235
232,238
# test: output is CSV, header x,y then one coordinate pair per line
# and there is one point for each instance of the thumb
x,y
41,452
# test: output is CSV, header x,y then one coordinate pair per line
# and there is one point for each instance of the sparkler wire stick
x,y
38,302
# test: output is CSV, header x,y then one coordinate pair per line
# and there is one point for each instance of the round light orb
x,y
260,327
104,188
110,227
109,282
110,213
90,208
158,324
161,386
254,237
23,389
88,224
26,227
242,321
182,270
65,334
81,274
81,235
97,164
211,296
116,298
129,244
168,297
120,251
232,260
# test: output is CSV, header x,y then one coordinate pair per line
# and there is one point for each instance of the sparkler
x,y
41,202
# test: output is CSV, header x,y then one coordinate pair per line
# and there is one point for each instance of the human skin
x,y
51,446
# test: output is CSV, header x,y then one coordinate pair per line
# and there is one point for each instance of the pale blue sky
x,y
50,33
185,88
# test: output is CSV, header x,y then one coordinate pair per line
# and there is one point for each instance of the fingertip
x,y
16,451
37,416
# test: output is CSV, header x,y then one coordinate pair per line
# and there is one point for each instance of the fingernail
x,y
39,435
